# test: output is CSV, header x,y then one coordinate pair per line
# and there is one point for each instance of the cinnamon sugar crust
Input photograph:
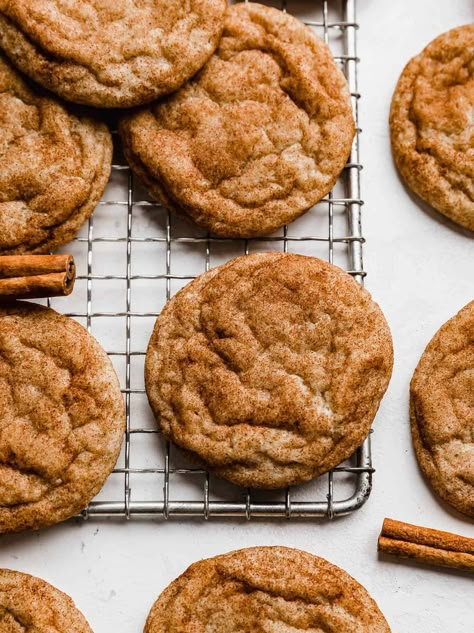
x,y
269,369
54,167
61,417
432,127
442,411
257,137
31,605
264,589
113,54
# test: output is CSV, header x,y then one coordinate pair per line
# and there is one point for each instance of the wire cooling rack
x,y
134,255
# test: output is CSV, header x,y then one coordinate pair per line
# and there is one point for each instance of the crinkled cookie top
x,y
442,411
432,124
54,167
61,417
31,605
110,53
270,369
257,137
265,589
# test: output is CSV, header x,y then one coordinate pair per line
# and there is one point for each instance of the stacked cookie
x,y
256,138
55,160
54,166
243,147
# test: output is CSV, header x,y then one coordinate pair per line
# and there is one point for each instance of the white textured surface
x,y
421,271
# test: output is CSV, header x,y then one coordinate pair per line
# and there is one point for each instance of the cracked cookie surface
x,y
432,125
61,417
117,53
54,167
31,605
269,369
442,411
265,589
257,137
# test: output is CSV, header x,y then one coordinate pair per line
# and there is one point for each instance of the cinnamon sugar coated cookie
x,y
265,589
61,417
54,166
432,128
269,369
29,604
257,137
442,411
114,53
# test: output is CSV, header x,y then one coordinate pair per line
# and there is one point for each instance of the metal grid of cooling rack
x,y
167,493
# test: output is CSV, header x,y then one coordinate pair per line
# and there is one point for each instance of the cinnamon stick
x,y
426,545
36,276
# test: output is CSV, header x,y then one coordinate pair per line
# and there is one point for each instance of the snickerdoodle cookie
x,y
432,128
442,411
257,137
113,54
61,417
265,589
54,166
29,604
269,369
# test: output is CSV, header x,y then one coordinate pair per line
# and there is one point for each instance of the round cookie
x,y
257,137
431,125
442,411
265,589
61,417
28,603
269,369
54,166
113,54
